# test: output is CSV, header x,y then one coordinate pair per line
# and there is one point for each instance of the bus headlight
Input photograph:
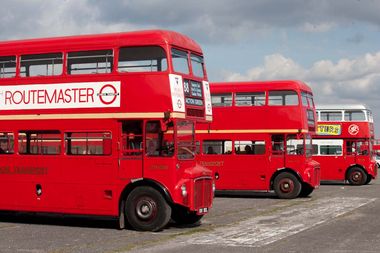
x,y
184,191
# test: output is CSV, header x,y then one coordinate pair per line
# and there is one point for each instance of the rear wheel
x,y
356,176
183,216
287,186
306,190
146,209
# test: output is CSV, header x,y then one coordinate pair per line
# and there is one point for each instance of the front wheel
x,y
182,216
146,209
356,176
369,179
287,186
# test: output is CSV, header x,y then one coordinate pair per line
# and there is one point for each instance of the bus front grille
x,y
203,193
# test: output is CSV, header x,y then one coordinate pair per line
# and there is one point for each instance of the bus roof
x,y
136,38
330,107
259,86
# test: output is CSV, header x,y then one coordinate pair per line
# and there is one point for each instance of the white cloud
x,y
346,81
317,27
356,74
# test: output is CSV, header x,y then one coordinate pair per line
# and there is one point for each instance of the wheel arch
x,y
144,182
353,166
282,170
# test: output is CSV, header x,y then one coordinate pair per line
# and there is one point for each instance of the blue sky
x,y
333,45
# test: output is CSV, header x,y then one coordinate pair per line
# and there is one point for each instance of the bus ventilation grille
x,y
203,192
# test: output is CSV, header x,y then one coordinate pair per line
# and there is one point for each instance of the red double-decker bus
x,y
260,138
104,125
343,144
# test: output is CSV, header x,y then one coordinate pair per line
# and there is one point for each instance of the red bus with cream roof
x,y
343,144
104,125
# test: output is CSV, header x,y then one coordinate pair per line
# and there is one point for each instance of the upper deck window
x,y
180,61
354,116
331,116
369,115
310,117
90,62
219,100
307,99
142,59
7,66
197,65
250,99
41,65
283,97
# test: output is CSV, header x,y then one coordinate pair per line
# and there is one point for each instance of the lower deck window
x,y
250,147
6,143
217,147
88,143
330,150
39,142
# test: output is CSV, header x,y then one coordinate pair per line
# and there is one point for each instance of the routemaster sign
x,y
60,96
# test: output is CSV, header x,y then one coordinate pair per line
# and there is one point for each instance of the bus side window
x,y
43,142
90,62
350,147
278,144
132,137
252,147
7,66
6,143
142,59
217,147
88,143
41,65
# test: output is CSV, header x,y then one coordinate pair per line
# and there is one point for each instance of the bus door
x,y
277,155
158,149
131,147
295,151
359,150
351,153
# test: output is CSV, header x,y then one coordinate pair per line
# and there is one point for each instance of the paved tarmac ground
x,y
336,218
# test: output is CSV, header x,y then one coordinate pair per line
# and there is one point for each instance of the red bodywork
x,y
235,171
335,167
96,184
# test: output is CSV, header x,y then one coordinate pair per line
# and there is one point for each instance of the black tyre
x,y
146,209
182,216
121,220
369,179
287,186
306,190
356,176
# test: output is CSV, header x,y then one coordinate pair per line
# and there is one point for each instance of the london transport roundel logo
x,y
108,94
179,103
353,129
